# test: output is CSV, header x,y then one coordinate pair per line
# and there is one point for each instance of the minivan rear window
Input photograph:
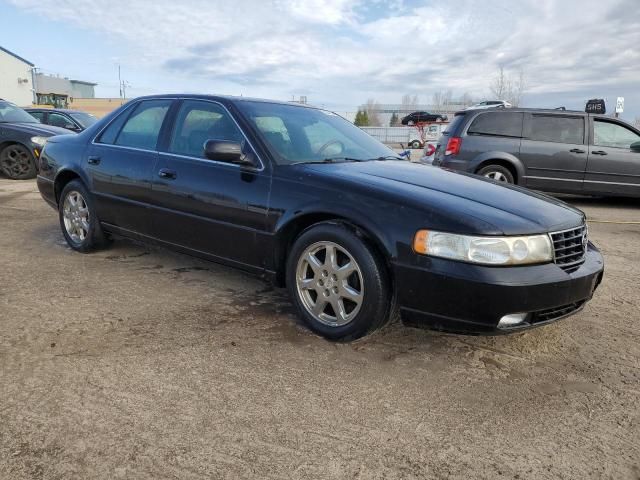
x,y
501,124
453,126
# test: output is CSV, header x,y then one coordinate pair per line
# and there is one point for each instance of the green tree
x,y
362,119
394,120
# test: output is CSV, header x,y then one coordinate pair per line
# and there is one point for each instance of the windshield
x,y
84,119
304,135
11,113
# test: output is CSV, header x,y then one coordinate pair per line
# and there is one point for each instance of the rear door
x,y
121,161
613,166
554,152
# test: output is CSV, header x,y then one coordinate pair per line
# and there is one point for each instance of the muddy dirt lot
x,y
135,362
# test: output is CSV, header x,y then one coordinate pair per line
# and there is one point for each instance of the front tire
x,y
338,283
415,144
78,220
17,162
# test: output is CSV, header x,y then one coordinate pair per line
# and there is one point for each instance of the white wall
x,y
10,70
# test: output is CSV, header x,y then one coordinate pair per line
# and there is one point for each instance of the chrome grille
x,y
570,247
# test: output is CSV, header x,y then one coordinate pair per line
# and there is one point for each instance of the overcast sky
x,y
337,52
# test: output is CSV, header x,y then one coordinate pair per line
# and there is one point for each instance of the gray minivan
x,y
552,150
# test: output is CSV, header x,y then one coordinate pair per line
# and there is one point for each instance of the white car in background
x,y
490,104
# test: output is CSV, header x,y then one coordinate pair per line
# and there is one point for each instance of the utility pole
x,y
120,81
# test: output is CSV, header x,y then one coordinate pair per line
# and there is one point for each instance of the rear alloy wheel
x,y
80,226
17,162
338,282
497,173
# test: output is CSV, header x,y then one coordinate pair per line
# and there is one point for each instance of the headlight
x,y
484,250
40,141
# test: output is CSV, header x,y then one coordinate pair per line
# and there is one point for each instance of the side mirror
x,y
635,146
71,126
224,151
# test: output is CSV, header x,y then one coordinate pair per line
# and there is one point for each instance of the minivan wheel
x,y
78,221
17,162
338,283
415,144
497,173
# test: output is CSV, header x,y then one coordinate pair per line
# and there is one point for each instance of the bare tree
x,y
466,99
409,102
372,108
508,87
636,122
441,99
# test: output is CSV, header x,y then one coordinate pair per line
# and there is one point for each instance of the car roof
x,y
223,98
521,109
59,110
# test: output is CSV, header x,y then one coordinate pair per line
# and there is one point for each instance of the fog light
x,y
512,320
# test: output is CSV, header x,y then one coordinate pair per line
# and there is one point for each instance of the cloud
x,y
347,50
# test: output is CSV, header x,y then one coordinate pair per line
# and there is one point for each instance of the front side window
x,y
608,134
302,134
501,124
198,122
557,129
142,128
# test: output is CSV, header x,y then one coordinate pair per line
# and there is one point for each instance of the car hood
x,y
511,210
37,129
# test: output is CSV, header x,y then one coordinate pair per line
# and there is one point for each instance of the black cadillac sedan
x,y
306,198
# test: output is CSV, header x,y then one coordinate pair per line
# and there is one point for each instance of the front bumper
x,y
465,298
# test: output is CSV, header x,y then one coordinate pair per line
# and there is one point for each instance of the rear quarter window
x,y
502,124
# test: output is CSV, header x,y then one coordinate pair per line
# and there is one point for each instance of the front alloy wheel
x,y
330,283
338,282
17,163
78,220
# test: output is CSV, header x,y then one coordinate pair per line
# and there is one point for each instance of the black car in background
x,y
306,198
552,150
21,140
73,120
420,117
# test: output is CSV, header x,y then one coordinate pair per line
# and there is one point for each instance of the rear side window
x,y
38,115
557,129
143,126
501,124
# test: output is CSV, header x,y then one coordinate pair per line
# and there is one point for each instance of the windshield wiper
x,y
330,160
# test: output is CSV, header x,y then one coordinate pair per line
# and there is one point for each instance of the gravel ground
x,y
136,362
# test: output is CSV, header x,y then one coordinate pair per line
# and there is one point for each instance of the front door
x,y
121,162
613,166
209,206
554,152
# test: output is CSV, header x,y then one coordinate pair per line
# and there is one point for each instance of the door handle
x,y
598,152
576,150
93,160
167,173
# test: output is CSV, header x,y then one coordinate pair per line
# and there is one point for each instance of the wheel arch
x,y
512,163
289,230
62,178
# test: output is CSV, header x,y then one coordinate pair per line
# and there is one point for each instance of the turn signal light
x,y
453,146
420,242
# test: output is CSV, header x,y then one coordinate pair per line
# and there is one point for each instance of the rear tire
x,y
17,162
338,283
497,173
415,144
78,220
